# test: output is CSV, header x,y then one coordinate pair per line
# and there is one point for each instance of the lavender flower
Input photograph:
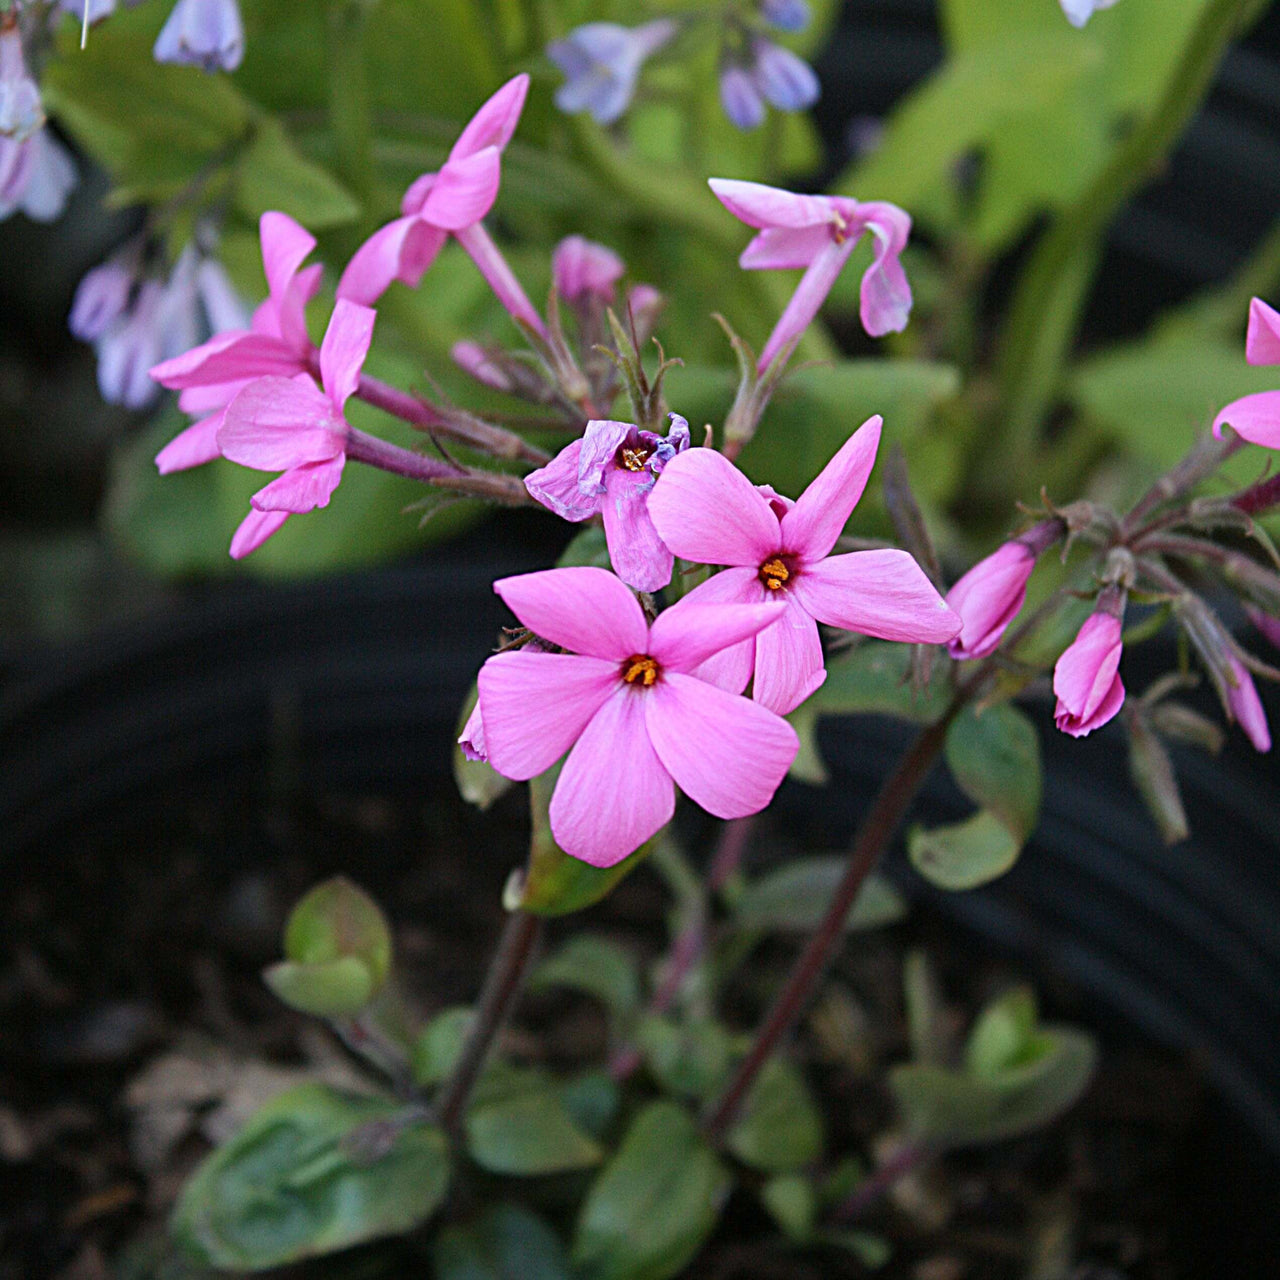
x,y
785,15
203,33
601,62
36,176
21,113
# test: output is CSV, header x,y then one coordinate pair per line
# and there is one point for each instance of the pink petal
x,y
495,122
278,423
346,343
228,357
1247,708
613,793
726,753
690,632
402,250
285,246
196,445
808,298
582,608
886,294
600,443
705,509
200,401
785,248
1084,675
465,190
731,668
471,739
254,530
811,527
1262,345
639,557
1254,418
788,665
536,705
291,312
301,488
878,593
1107,706
556,486
761,206
988,598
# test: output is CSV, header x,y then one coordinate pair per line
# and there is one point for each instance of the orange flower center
x,y
634,457
640,669
773,573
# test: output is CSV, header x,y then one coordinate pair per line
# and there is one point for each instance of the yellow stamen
x,y
634,459
640,669
773,573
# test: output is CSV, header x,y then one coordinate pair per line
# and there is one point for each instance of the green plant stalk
x,y
1051,291
350,111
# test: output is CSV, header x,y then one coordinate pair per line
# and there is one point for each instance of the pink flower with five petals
x,y
779,555
819,233
451,202
290,425
276,343
1256,418
627,706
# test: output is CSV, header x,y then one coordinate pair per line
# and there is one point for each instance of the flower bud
x,y
1267,623
740,97
1180,723
1153,774
583,270
1246,707
337,945
1086,678
784,79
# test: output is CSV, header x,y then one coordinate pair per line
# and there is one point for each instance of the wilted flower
x,y
779,556
625,705
601,62
203,33
1086,678
610,472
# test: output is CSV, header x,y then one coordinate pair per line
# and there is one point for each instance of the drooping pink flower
x,y
451,202
1256,418
989,596
290,425
1246,706
583,269
779,555
275,344
819,233
1086,678
626,706
611,472
471,739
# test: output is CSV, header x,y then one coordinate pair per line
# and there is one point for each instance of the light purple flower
x,y
625,704
583,269
103,295
21,113
1086,678
128,348
1080,11
290,425
779,555
610,472
819,233
786,81
740,97
785,15
98,9
601,62
1246,706
36,176
1256,418
202,33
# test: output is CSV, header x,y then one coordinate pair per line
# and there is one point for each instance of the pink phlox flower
x,y
1256,418
290,425
779,554
819,233
626,705
276,343
1246,706
583,269
1086,678
454,200
610,472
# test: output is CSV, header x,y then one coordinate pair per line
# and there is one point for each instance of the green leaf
x,y
312,1172
691,1059
1003,1035
439,1045
518,1124
592,1099
654,1204
553,883
796,897
506,1242
272,175
956,1109
596,966
586,548
871,1250
780,1129
994,755
335,989
792,1203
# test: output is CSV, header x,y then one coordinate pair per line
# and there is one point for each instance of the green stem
x,y
350,112
1052,289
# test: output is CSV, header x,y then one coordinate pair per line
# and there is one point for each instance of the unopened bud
x,y
1211,641
584,271
1260,584
473,359
1177,722
1153,774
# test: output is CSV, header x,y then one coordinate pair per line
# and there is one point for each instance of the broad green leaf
x,y
586,548
518,1124
592,1099
691,1059
796,897
506,1242
594,965
780,1129
314,1171
871,678
956,1109
792,1204
654,1204
439,1045
966,854
1003,1034
272,175
333,989
553,883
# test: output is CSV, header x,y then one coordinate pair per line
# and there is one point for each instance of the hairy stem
x,y
493,485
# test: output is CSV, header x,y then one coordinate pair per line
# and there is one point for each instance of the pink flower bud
x,y
1087,676
1246,706
583,269
473,359
988,598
